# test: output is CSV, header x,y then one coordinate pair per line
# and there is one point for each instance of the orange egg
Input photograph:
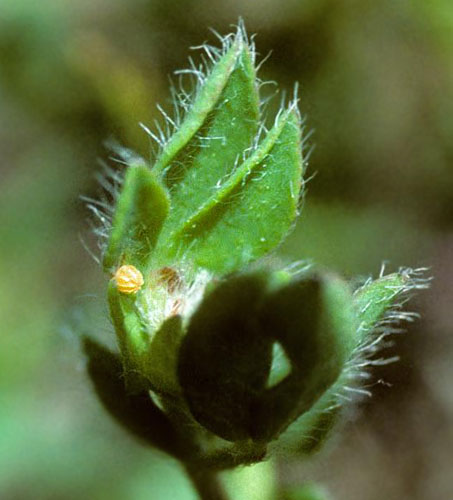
x,y
128,279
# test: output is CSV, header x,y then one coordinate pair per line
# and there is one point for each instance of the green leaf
x,y
150,355
281,365
252,210
307,434
371,302
160,361
227,131
205,101
140,212
375,298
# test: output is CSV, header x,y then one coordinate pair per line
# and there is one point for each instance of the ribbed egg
x,y
128,279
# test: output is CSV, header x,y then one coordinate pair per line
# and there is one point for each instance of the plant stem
x,y
206,482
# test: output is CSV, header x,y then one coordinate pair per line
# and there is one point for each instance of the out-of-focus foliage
x,y
377,85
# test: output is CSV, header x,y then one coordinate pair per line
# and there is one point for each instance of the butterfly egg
x,y
128,279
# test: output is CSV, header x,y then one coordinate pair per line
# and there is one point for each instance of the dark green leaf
x,y
224,360
313,320
135,412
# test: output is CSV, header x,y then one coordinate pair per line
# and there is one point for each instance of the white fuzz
x,y
159,302
376,338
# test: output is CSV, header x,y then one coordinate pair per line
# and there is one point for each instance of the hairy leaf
x,y
375,298
140,212
206,99
226,133
308,433
252,210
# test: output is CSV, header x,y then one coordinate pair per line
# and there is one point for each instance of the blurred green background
x,y
376,82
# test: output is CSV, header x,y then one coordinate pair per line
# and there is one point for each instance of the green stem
x,y
206,482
